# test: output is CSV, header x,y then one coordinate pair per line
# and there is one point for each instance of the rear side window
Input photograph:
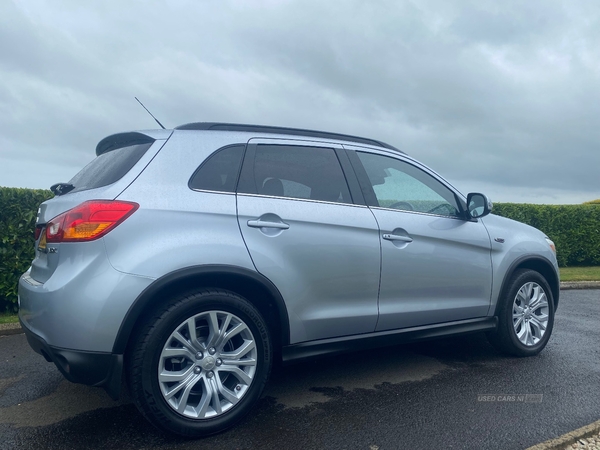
x,y
109,167
298,172
220,170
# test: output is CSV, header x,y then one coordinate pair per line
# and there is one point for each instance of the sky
x,y
499,97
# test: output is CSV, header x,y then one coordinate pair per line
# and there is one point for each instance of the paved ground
x,y
418,396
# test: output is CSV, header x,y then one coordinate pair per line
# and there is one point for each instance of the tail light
x,y
88,221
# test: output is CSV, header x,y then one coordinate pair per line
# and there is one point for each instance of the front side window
x,y
402,186
299,172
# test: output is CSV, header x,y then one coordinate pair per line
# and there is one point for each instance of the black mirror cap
x,y
478,205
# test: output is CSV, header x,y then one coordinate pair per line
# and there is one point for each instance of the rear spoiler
x,y
120,140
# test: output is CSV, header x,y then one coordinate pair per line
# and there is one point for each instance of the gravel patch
x,y
10,326
580,284
589,443
587,437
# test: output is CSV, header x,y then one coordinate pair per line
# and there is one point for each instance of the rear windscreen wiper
x,y
61,188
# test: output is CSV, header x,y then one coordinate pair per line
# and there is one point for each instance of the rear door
x,y
436,264
306,234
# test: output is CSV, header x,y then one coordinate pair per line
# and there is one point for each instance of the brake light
x,y
38,231
88,221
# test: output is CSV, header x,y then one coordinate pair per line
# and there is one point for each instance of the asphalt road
x,y
423,396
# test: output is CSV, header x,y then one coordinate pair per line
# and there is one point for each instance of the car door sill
x,y
312,349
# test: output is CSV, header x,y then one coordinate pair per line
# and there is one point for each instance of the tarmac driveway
x,y
455,393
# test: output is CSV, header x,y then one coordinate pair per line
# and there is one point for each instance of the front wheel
x,y
200,364
525,315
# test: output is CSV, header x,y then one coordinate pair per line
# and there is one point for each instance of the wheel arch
x,y
256,288
540,265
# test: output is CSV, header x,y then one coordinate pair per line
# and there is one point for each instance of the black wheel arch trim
x,y
143,301
536,259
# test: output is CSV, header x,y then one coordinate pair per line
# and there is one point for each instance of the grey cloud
x,y
504,93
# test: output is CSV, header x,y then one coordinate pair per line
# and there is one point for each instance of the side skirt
x,y
312,349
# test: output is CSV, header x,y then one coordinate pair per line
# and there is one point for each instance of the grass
x,y
580,273
8,318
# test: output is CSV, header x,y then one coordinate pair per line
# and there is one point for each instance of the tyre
x,y
200,364
525,315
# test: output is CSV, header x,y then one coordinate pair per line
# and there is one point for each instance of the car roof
x,y
217,126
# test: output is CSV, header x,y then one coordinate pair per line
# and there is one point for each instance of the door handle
x,y
263,224
396,237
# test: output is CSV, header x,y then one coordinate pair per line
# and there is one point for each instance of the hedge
x,y
573,228
18,210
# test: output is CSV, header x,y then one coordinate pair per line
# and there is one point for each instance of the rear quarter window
x,y
220,170
109,167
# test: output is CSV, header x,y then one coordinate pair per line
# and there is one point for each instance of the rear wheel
x,y
525,315
200,364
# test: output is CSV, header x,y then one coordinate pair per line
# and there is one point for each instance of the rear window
x,y
109,167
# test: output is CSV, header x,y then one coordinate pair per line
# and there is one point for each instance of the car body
x,y
188,260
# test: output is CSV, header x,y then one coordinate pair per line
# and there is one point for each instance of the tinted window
x,y
299,172
109,167
220,171
399,185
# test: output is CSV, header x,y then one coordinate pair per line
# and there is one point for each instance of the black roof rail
x,y
282,130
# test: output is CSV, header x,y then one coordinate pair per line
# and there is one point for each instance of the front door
x,y
436,264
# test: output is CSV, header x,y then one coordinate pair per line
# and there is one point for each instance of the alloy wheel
x,y
530,313
207,364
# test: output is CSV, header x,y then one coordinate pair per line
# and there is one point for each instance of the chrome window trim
x,y
208,191
417,212
297,199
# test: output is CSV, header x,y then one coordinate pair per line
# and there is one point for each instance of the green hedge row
x,y
18,210
575,229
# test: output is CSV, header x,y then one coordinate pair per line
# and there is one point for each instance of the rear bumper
x,y
91,368
82,306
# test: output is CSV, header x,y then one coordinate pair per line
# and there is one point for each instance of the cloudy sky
x,y
499,97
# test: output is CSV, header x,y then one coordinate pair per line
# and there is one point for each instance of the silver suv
x,y
187,261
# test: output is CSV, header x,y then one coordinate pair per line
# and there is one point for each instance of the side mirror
x,y
478,205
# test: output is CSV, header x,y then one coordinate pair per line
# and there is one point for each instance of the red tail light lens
x,y
88,221
38,231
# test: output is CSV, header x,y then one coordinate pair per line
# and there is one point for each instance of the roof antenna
x,y
161,125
